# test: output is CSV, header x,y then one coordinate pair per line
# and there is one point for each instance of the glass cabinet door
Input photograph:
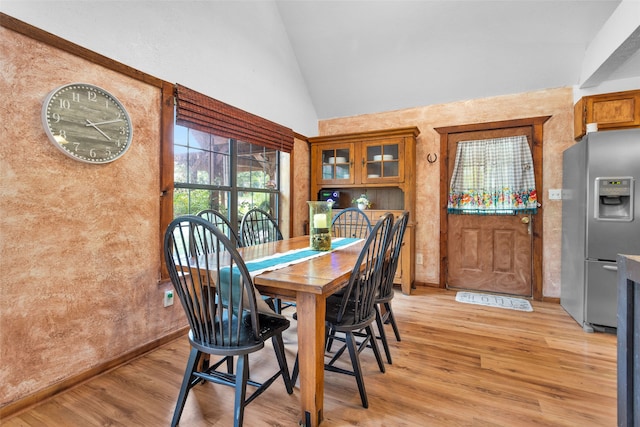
x,y
337,163
383,161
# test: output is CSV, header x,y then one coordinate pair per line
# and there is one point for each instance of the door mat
x,y
490,300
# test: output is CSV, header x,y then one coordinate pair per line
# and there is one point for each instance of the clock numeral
x,y
93,153
75,146
56,117
92,96
64,103
76,96
63,133
123,130
108,152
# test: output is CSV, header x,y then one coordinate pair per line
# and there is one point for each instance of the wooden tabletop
x,y
322,275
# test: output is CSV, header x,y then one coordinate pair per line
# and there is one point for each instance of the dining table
x,y
308,282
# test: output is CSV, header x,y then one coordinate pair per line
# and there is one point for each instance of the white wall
x,y
247,60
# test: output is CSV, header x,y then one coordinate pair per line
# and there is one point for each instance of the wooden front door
x,y
486,252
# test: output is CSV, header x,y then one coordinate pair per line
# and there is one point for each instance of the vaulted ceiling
x,y
361,57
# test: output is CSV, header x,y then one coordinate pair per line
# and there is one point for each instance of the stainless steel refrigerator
x,y
600,208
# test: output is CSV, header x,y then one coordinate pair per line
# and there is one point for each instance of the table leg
x,y
311,314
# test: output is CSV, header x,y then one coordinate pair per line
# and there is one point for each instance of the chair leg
x,y
392,320
329,339
242,375
278,346
294,374
383,335
357,370
192,362
374,346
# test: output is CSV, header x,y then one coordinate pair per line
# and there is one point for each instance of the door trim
x,y
536,124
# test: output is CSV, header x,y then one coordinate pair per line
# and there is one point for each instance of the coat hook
x,y
435,157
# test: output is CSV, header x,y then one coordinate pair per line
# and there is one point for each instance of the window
x,y
214,172
493,177
220,157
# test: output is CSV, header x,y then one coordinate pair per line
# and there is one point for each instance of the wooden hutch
x,y
380,164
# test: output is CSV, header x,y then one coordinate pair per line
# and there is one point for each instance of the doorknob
x,y
527,220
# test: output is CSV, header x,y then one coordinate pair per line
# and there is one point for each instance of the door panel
x,y
485,252
490,253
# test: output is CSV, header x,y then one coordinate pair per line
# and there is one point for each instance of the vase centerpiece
x,y
320,225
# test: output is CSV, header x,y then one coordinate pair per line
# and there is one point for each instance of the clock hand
x,y
98,129
103,123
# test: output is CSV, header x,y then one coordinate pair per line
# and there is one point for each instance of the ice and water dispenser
x,y
614,198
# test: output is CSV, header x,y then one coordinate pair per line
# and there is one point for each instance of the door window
x,y
493,177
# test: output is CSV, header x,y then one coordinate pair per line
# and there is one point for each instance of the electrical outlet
x,y
419,259
555,194
168,298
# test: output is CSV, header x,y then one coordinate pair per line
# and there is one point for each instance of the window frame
x,y
233,187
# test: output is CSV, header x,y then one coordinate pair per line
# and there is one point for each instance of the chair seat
x,y
246,342
348,322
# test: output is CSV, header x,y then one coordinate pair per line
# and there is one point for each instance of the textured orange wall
x,y
558,135
79,243
300,185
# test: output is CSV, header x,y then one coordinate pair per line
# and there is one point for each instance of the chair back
x,y
393,254
358,301
351,222
213,286
257,226
221,221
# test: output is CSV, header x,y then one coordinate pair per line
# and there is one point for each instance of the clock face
x,y
87,123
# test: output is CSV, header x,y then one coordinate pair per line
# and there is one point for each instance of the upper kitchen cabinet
x,y
383,161
617,110
376,158
336,164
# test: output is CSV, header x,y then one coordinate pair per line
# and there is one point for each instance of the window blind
x,y
198,111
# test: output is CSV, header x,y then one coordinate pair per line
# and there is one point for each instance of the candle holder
x,y
320,225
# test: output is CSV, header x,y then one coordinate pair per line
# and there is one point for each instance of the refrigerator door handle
x,y
610,267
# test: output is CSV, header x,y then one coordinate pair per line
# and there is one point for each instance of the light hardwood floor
x,y
457,365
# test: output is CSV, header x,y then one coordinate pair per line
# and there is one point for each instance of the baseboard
x,y
28,401
426,285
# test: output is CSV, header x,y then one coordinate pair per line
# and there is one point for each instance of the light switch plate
x,y
555,194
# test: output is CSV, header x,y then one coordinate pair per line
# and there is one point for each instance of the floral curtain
x,y
493,177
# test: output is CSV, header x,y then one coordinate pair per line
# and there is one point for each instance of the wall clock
x,y
87,123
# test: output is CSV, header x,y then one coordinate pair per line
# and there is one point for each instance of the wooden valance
x,y
197,111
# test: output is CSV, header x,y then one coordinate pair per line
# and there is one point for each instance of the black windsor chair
x,y
383,300
217,218
351,222
353,310
256,227
217,295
